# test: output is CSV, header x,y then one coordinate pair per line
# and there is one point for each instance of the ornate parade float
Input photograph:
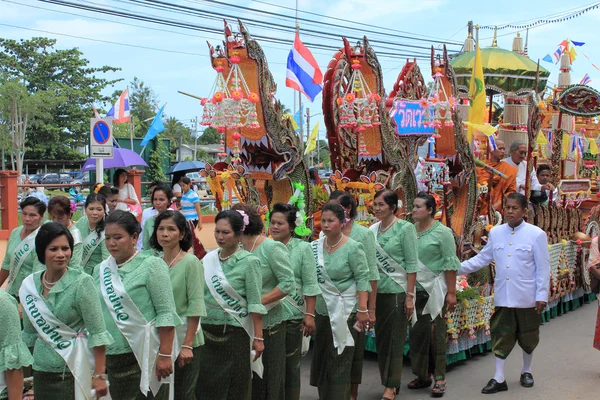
x,y
261,161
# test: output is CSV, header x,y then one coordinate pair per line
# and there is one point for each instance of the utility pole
x,y
180,145
195,126
308,133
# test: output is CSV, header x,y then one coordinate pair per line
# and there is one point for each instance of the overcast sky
x,y
186,66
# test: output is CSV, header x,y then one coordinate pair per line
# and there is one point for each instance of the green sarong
x,y
390,329
54,385
186,377
428,343
272,384
511,325
330,372
224,372
293,354
124,375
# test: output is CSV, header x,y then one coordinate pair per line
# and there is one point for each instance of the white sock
x,y
499,376
527,362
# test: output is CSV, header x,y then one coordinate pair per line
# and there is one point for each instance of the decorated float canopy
x,y
504,71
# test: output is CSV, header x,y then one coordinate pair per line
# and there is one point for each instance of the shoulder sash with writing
x,y
339,304
90,244
70,345
19,255
141,335
229,300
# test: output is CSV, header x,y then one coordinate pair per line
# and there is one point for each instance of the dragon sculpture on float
x,y
269,153
364,157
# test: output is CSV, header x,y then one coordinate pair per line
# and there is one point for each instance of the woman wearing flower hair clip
x,y
366,239
342,274
233,334
61,210
300,305
277,283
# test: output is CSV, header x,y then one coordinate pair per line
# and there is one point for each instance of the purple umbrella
x,y
122,158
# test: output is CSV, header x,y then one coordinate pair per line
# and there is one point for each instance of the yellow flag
x,y
593,147
290,117
477,94
566,142
541,138
311,143
486,129
572,54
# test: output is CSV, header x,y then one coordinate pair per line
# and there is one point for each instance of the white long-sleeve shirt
x,y
522,173
522,265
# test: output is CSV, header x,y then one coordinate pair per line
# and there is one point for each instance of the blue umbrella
x,y
186,166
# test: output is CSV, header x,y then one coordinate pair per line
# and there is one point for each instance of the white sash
x,y
2,382
436,287
18,257
339,305
76,233
70,345
90,244
230,301
390,267
141,335
297,301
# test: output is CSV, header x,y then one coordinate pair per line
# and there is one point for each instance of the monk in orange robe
x,y
498,187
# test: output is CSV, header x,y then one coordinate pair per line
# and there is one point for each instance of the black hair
x,y
182,224
234,218
59,204
185,180
97,198
429,201
114,190
337,209
390,198
116,176
46,234
345,200
162,187
288,210
39,205
177,177
255,225
543,167
125,220
105,190
519,198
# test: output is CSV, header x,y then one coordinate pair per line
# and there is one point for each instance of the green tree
x,y
143,104
176,130
210,136
67,74
156,171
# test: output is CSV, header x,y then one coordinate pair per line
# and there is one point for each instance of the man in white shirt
x,y
521,287
518,153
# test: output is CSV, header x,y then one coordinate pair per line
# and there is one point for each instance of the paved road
x,y
565,367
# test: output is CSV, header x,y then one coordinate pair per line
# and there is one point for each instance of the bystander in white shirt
x,y
522,173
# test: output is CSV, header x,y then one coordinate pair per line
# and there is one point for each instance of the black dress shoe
x,y
526,380
494,387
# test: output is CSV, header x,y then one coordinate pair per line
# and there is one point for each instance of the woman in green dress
x,y
140,314
61,210
398,264
14,354
172,237
342,273
20,259
233,334
62,321
436,294
161,201
301,304
366,238
91,226
277,283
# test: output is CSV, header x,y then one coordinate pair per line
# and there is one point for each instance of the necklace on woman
x,y
172,261
48,285
329,248
254,244
383,230
129,259
287,241
425,230
223,259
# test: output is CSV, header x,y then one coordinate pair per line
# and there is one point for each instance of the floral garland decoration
x,y
297,199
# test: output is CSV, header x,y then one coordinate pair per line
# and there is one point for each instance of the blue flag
x,y
578,44
548,58
298,119
155,128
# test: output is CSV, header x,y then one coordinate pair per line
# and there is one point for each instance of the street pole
x,y
180,145
195,124
308,132
318,148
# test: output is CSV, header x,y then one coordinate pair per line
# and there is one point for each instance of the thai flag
x,y
550,141
303,72
492,140
120,111
586,80
580,149
557,55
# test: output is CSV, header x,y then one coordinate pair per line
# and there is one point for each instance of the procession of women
x,y
99,308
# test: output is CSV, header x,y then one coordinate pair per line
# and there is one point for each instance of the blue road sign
x,y
101,132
